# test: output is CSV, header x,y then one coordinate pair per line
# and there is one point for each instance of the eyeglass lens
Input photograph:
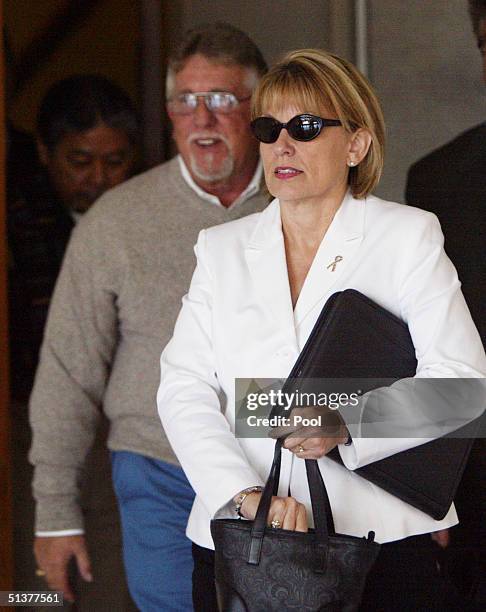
x,y
214,101
301,127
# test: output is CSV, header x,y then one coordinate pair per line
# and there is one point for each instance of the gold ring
x,y
275,524
40,572
301,449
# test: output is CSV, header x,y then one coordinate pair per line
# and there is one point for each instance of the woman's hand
x,y
284,513
312,441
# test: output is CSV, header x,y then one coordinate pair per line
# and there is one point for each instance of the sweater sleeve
x,y
78,347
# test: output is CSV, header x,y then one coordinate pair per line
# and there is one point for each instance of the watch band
x,y
242,496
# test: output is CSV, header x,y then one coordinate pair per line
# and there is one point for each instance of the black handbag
x,y
260,569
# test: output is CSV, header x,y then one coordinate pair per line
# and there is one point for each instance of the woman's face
x,y
316,170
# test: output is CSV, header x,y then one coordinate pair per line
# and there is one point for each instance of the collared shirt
x,y
252,188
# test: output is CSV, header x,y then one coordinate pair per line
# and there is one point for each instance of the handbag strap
x,y
260,522
322,513
321,509
321,506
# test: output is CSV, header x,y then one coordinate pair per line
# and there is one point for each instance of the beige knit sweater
x,y
128,264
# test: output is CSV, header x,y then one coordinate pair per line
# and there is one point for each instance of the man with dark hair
x,y
451,182
127,266
86,140
87,131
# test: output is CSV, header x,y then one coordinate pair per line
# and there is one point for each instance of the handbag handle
x,y
321,509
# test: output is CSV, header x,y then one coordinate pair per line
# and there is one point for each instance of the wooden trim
x,y
66,20
151,71
6,525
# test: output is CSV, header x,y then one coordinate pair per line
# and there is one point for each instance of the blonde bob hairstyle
x,y
319,82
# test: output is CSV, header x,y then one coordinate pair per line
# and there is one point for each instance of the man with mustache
x,y
127,266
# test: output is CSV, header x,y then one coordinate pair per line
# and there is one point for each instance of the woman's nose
x,y
284,145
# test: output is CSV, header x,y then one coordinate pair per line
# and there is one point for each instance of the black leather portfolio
x,y
356,338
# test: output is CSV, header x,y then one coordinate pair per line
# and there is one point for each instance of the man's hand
x,y
53,554
312,441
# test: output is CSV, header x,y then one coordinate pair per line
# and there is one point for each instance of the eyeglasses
x,y
216,102
301,127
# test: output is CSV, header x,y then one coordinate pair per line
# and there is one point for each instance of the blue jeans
x,y
155,499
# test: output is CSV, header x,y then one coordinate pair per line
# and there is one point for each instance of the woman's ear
x,y
359,146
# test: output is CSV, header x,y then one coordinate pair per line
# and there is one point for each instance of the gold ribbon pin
x,y
334,263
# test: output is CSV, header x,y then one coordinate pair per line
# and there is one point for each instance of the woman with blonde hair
x,y
259,286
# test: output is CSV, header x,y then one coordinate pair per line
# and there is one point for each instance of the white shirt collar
x,y
252,188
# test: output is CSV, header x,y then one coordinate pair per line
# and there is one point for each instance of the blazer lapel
x,y
265,257
336,251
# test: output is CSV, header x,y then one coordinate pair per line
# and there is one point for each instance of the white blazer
x,y
237,320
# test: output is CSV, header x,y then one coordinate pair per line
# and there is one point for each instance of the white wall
x,y
427,69
276,26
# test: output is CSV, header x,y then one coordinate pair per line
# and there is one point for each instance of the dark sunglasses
x,y
301,127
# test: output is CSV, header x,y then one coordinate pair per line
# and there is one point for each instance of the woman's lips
x,y
285,173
